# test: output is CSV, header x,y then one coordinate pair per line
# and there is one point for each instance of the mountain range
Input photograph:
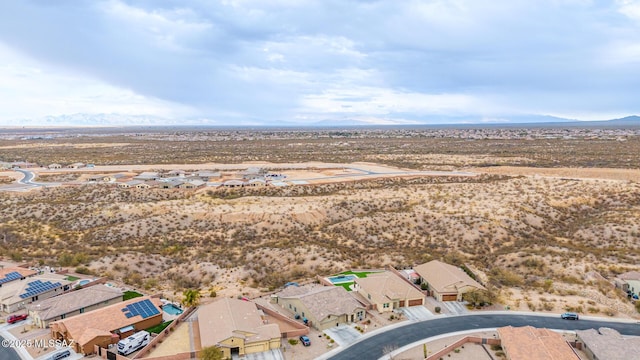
x,y
118,120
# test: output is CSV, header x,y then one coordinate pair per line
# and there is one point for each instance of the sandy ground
x,y
179,341
573,173
468,352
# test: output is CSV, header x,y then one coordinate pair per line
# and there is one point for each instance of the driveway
x,y
343,334
274,354
417,313
455,307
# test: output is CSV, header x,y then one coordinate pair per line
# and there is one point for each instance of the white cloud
x,y
29,89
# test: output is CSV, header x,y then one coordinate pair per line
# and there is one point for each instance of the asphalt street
x,y
372,347
7,353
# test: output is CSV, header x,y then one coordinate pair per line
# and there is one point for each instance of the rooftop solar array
x,y
10,277
144,308
38,287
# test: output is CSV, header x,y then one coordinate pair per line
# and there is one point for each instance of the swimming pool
x,y
171,309
339,279
84,282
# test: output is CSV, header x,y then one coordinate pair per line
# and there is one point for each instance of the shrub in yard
x,y
438,309
293,341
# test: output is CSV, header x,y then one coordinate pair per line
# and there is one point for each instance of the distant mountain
x,y
119,120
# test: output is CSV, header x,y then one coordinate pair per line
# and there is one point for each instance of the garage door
x,y
449,297
416,302
401,303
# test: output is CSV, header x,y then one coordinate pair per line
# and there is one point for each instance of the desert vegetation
x,y
538,243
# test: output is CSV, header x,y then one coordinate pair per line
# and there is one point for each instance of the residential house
x,y
447,282
529,343
23,165
54,166
114,177
253,173
386,291
173,173
607,344
322,306
96,178
193,184
170,184
73,303
147,175
16,295
130,184
256,183
207,176
76,165
233,183
629,282
237,327
10,274
108,325
146,184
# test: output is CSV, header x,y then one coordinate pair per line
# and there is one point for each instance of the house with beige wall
x,y
386,291
445,281
236,327
16,295
107,325
322,306
73,303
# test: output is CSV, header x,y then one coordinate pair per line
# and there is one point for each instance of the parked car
x,y
15,318
304,339
60,355
569,316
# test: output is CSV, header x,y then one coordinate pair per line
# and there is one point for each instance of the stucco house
x,y
447,282
386,291
108,325
322,306
73,303
236,327
16,295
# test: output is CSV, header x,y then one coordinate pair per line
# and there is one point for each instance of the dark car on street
x,y
569,316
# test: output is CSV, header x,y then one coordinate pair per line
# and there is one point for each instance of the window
x,y
82,311
369,296
385,305
303,314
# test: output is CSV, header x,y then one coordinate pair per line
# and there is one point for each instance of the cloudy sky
x,y
235,62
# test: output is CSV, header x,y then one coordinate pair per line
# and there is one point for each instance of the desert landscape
x,y
545,219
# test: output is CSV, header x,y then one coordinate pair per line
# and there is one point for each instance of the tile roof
x,y
73,301
387,286
323,301
529,343
10,292
227,318
607,343
22,271
444,278
101,322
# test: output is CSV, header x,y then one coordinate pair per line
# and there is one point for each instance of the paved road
x,y
372,347
8,353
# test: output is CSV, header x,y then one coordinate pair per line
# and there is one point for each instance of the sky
x,y
244,62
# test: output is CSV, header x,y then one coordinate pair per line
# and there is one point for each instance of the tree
x,y
212,353
191,297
